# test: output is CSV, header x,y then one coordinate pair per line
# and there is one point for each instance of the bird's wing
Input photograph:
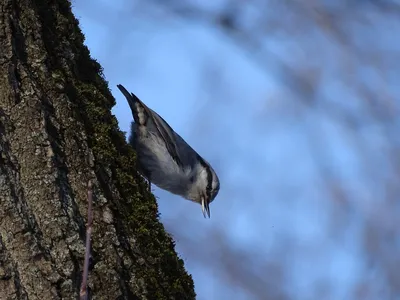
x,y
186,153
160,125
168,135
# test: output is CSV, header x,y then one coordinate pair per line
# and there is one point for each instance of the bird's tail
x,y
139,110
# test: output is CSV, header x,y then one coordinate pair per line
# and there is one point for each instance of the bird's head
x,y
204,186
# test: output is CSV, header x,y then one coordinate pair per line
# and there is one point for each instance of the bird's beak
x,y
205,207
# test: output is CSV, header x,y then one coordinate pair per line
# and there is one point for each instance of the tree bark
x,y
56,133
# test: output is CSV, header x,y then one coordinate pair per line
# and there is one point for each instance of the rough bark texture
x,y
56,133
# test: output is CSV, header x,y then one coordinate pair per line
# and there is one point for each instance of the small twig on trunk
x,y
83,292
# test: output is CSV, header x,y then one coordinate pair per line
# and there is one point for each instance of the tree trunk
x,y
56,133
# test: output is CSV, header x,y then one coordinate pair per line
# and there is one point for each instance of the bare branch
x,y
83,292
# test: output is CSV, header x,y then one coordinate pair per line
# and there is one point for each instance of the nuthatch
x,y
166,160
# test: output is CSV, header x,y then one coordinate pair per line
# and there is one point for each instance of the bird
x,y
165,159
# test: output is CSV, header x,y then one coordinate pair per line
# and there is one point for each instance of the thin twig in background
x,y
83,292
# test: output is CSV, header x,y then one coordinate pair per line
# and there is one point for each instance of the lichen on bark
x,y
56,133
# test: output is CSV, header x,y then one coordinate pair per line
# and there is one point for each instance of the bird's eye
x,y
191,179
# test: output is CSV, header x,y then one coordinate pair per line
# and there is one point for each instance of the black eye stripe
x,y
209,177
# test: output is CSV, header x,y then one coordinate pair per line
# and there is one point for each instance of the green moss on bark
x,y
156,267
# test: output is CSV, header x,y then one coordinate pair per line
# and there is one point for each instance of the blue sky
x,y
273,201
